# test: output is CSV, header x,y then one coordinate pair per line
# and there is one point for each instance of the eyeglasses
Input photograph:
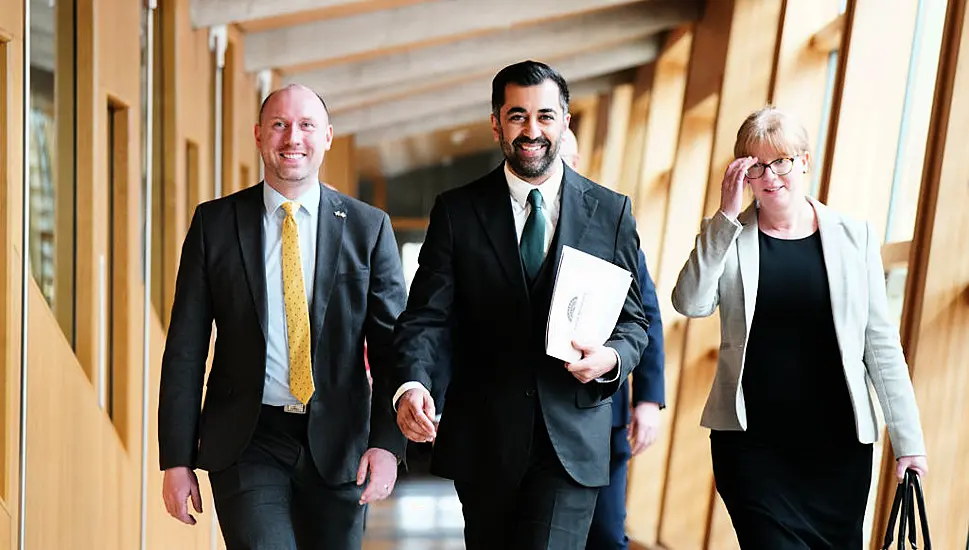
x,y
780,167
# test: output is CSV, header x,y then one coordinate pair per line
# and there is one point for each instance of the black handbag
x,y
907,496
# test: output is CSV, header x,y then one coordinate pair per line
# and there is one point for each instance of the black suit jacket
x,y
649,384
470,290
358,293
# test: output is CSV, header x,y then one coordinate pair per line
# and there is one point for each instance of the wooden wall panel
x,y
617,133
936,317
631,159
82,489
867,119
11,178
339,166
659,519
659,146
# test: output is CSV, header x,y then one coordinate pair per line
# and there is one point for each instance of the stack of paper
x,y
586,302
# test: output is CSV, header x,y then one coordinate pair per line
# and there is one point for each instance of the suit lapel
x,y
331,220
832,246
748,250
493,208
249,224
576,212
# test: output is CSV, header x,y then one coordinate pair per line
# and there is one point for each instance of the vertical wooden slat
x,y
645,488
614,143
936,318
688,183
632,155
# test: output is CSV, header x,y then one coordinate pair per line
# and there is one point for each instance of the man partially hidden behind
x,y
525,436
295,276
636,427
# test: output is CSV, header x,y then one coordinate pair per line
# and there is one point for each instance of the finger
x,y
429,408
181,512
367,493
196,498
423,422
900,471
362,469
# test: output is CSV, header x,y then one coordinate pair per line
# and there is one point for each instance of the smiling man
x,y
525,436
295,276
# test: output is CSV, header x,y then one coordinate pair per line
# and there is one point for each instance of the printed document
x,y
588,297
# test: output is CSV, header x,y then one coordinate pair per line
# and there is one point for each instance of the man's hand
x,y
179,484
644,427
382,467
596,361
917,463
415,415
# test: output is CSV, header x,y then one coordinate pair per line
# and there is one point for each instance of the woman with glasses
x,y
805,328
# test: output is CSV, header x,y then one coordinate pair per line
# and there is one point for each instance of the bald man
x,y
569,151
295,276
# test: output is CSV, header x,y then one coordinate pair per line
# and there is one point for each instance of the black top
x,y
794,382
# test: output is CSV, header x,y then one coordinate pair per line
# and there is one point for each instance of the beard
x,y
529,168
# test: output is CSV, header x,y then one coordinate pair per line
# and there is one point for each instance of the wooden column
x,y
646,471
936,318
11,197
614,144
635,139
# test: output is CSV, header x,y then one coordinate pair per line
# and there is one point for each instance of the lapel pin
x,y
340,214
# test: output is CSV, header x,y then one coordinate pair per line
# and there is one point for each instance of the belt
x,y
297,408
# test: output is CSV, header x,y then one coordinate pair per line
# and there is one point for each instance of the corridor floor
x,y
423,514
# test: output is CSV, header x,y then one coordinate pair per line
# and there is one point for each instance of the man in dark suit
x,y
633,429
295,276
525,437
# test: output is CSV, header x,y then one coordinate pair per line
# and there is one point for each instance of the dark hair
x,y
272,93
526,73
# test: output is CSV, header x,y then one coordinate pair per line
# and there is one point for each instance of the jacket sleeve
x,y
186,349
695,293
649,385
886,364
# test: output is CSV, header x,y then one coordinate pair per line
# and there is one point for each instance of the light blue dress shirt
x,y
277,341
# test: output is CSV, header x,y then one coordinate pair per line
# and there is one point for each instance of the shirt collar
x,y
308,201
519,188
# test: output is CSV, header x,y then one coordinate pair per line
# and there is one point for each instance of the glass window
x,y
51,156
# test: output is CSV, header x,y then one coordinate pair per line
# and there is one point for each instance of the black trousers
x,y
784,497
273,498
546,510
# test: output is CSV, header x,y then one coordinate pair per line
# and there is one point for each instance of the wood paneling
x,y
659,148
936,317
11,179
339,166
646,471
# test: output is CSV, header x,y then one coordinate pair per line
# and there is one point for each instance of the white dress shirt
x,y
518,191
276,390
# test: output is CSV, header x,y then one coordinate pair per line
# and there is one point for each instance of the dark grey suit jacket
x,y
358,293
470,290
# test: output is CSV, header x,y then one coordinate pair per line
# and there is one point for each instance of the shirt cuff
x,y
403,389
618,370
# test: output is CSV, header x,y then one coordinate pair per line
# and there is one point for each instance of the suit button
x,y
530,392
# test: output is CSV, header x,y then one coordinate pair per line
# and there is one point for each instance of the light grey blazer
x,y
723,270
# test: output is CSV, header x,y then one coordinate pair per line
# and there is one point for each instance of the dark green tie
x,y
533,236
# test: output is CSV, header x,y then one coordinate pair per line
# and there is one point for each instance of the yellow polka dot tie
x,y
297,310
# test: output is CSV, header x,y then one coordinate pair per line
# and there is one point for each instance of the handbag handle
x,y
908,495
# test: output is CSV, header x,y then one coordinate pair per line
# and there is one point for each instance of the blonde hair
x,y
772,128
